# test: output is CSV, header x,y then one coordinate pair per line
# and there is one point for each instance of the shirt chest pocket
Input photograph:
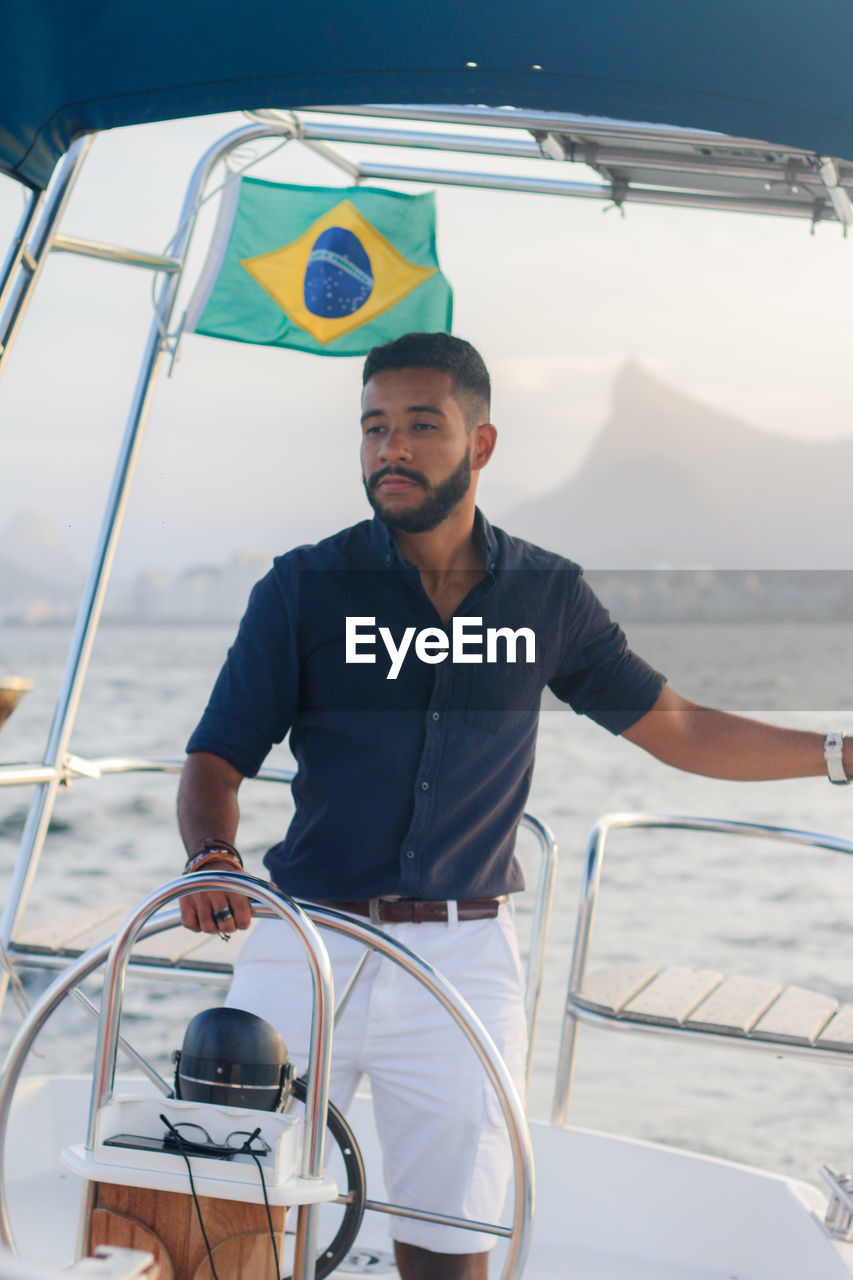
x,y
502,697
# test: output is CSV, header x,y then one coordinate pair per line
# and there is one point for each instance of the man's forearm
x,y
208,807
718,744
208,810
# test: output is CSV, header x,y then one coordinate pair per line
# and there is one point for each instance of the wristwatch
x,y
833,745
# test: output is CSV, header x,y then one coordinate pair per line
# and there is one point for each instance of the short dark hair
x,y
468,373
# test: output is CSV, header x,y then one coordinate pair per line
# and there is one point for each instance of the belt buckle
x,y
373,910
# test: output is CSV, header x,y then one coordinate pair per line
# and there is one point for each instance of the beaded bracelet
x,y
213,851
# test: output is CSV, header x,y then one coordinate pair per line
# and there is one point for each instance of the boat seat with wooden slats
x,y
69,936
704,1002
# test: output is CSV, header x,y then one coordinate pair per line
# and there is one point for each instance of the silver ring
x,y
224,914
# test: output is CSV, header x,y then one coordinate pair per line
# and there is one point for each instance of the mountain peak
x,y
635,385
650,417
673,481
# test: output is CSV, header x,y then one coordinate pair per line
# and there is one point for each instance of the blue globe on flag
x,y
338,275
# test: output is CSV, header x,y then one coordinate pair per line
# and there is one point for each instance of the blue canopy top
x,y
771,69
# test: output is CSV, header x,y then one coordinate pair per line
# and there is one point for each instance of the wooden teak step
x,y
703,1000
70,935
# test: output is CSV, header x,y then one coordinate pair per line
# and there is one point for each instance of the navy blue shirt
x,y
412,773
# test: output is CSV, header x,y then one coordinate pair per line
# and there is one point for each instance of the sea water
x,y
739,906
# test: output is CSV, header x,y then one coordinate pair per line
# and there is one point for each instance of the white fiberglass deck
x,y
607,1208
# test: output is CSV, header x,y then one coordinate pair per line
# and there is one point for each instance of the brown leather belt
x,y
417,910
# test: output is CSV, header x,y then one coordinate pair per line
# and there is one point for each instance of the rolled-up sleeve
x,y
600,676
256,694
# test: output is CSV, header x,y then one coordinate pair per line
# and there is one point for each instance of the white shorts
x,y
443,1135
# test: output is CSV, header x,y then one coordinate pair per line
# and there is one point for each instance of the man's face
x,y
415,448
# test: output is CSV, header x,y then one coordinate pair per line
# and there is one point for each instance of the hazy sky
x,y
255,447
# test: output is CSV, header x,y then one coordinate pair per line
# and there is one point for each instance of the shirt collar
x,y
488,541
385,543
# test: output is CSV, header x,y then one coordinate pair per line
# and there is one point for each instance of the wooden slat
x,y
838,1034
673,996
104,927
609,990
702,1000
76,932
735,1006
797,1017
58,933
171,947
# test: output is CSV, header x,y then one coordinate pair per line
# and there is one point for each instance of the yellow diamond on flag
x,y
339,274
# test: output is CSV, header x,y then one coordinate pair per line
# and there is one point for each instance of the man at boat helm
x,y
406,657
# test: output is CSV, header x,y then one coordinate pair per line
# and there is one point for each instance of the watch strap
x,y
833,748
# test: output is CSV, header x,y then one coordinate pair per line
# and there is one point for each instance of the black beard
x,y
436,506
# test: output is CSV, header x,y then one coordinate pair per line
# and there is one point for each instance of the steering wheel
x,y
139,924
356,1192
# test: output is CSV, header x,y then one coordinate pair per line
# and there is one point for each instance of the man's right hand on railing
x,y
208,814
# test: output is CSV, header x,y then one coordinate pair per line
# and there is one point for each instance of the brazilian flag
x,y
333,270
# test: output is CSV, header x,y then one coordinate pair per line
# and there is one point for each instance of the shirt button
x,y
424,786
410,853
387,559
436,716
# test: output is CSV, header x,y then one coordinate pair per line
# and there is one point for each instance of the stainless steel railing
x,y
589,900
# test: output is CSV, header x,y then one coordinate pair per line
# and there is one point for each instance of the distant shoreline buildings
x,y
202,594
211,594
205,593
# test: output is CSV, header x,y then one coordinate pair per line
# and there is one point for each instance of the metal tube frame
x,y
41,809
598,146
113,253
539,929
616,192
548,121
134,1055
605,151
139,925
588,902
18,251
24,265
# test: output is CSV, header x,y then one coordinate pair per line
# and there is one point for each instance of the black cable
x,y
180,1141
248,1149
348,1147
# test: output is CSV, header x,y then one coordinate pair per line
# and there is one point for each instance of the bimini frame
x,y
639,163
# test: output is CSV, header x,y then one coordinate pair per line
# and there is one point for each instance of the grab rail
x,y
589,901
319,1054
